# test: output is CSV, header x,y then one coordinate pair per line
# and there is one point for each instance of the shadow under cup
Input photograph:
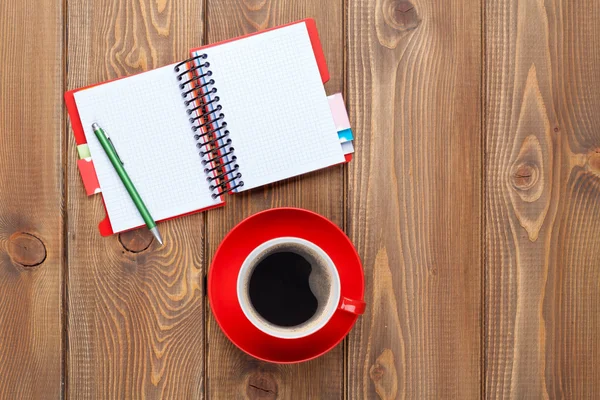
x,y
288,287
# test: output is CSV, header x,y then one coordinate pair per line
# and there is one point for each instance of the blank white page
x,y
146,119
275,105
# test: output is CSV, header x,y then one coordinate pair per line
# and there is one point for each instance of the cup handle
x,y
352,306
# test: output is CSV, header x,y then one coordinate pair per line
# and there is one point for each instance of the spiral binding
x,y
209,125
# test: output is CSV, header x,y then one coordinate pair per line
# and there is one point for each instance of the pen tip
x,y
156,234
95,126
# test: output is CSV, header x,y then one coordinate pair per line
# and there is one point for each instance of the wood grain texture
x,y
414,209
31,207
136,310
230,373
542,196
438,207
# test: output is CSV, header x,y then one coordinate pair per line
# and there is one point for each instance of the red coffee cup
x,y
257,323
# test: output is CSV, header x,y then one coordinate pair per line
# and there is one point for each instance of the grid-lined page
x,y
146,119
275,105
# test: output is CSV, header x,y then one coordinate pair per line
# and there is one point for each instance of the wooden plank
x,y
414,197
542,196
31,205
136,310
231,374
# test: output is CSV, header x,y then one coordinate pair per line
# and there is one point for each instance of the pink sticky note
x,y
338,110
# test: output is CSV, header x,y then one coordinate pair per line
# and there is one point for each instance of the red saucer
x,y
238,244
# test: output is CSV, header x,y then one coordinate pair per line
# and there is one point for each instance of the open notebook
x,y
235,116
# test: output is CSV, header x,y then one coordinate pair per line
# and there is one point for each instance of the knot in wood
x,y
136,241
384,376
594,161
261,386
525,176
376,372
26,249
403,15
394,19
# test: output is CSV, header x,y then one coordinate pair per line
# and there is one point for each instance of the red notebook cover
x,y
105,226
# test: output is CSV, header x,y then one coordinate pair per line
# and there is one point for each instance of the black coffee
x,y
279,289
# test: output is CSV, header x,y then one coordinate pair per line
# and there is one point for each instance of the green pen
x,y
111,152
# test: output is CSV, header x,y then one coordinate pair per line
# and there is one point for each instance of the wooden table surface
x,y
473,200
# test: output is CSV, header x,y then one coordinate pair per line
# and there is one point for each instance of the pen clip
x,y
113,147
